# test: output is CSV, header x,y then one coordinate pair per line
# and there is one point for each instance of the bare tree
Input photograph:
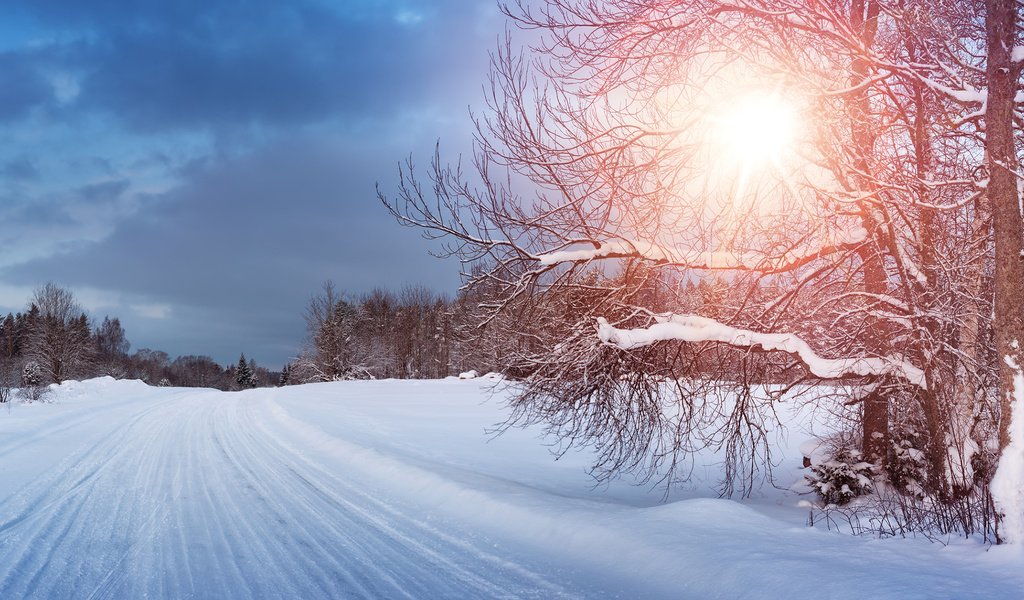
x,y
330,325
380,335
8,381
832,161
150,366
111,348
59,338
1003,119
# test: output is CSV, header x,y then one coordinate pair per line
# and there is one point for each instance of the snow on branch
x,y
749,261
694,328
967,94
610,249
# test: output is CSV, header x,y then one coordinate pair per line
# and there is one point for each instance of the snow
x,y
391,489
694,328
1017,54
1008,483
696,259
967,94
607,249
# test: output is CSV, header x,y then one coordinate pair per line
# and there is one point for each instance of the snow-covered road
x,y
389,490
196,495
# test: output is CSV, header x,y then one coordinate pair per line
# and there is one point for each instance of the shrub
x,y
841,478
908,467
32,387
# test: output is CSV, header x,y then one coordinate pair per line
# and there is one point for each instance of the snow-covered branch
x,y
694,328
609,249
723,260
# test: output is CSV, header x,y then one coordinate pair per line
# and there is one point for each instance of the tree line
x,y
415,333
54,340
418,333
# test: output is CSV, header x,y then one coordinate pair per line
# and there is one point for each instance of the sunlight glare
x,y
756,130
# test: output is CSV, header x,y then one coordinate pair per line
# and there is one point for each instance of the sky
x,y
198,168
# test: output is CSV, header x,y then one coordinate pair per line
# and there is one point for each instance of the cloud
x,y
205,165
103,191
24,87
165,65
20,168
251,235
152,311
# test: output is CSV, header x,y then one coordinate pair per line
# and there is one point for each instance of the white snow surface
x,y
388,489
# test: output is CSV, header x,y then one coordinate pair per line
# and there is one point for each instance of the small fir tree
x,y
32,387
245,375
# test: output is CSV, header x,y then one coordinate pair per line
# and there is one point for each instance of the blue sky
x,y
198,168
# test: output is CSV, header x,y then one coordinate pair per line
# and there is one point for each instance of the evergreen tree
x,y
32,384
31,374
244,374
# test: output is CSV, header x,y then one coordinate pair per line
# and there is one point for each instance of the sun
x,y
739,147
755,131
752,142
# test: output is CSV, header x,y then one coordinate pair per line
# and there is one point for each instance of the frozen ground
x,y
390,490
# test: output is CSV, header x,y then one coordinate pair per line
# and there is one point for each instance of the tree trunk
x,y
1004,200
875,405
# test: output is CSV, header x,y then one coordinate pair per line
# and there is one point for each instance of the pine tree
x,y
244,375
32,387
31,374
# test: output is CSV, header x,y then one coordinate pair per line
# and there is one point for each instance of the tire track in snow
x,y
78,503
194,496
449,566
72,474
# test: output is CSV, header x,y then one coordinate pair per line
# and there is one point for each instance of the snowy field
x,y
392,490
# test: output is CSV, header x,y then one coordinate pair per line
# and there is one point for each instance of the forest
x,y
54,340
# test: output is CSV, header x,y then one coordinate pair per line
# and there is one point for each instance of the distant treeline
x,y
414,333
54,340
417,333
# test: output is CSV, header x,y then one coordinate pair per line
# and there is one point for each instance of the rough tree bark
x,y
1003,196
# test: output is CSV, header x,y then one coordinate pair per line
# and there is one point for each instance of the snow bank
x,y
427,447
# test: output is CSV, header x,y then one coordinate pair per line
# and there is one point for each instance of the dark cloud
x,y
21,168
166,65
24,86
96,164
104,191
253,236
212,162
